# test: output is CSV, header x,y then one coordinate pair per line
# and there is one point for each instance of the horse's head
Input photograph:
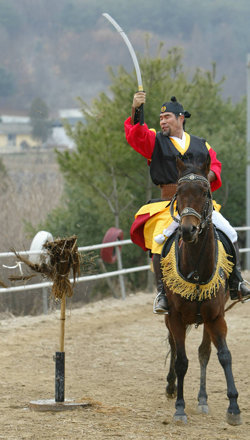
x,y
194,201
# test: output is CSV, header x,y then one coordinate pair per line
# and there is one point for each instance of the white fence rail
x,y
95,277
243,228
79,279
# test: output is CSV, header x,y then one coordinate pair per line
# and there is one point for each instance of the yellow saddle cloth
x,y
159,219
193,290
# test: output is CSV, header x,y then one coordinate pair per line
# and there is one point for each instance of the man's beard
x,y
166,132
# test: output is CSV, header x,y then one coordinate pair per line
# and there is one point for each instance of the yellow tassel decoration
x,y
195,291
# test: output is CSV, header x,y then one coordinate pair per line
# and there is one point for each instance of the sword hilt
x,y
141,108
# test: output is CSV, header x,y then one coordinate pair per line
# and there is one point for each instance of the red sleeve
x,y
216,168
140,138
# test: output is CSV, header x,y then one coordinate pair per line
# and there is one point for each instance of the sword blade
x,y
130,48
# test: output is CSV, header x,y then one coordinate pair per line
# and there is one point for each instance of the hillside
x,y
61,50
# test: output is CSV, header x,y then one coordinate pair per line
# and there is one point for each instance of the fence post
x,y
121,278
45,301
248,164
109,282
151,277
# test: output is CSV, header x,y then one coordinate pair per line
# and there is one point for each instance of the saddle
x,y
227,244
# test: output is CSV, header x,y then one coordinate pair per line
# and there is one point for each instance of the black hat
x,y
174,107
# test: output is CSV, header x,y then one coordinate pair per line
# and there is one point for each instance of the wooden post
x,y
63,307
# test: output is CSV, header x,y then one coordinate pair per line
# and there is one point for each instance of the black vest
x,y
163,168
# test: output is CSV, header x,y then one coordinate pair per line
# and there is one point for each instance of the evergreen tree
x,y
39,116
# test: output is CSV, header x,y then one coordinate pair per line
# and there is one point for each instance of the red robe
x,y
142,140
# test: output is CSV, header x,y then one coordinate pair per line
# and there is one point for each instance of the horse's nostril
x,y
189,228
188,232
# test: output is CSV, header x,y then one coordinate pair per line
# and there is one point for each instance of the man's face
x,y
171,125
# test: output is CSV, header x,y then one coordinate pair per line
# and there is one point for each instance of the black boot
x,y
237,285
160,302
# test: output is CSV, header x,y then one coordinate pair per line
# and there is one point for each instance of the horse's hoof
x,y
234,419
170,395
202,408
180,418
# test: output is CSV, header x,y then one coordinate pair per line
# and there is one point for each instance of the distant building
x,y
72,115
59,136
16,131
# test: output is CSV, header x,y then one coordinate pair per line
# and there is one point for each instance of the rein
x,y
195,272
232,305
204,218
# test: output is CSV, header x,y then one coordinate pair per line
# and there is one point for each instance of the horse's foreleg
x,y
181,366
204,356
171,377
219,330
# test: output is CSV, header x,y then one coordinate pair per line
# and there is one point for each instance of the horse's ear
x,y
206,166
181,167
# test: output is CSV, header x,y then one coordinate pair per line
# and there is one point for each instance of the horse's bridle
x,y
206,215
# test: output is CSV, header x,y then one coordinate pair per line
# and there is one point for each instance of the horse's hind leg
x,y
233,412
218,334
171,377
204,356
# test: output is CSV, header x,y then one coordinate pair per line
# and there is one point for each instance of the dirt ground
x,y
115,360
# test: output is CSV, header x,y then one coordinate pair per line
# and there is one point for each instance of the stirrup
x,y
160,311
242,297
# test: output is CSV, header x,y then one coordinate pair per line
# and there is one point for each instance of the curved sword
x,y
133,55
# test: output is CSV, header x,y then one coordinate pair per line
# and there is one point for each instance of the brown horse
x,y
195,273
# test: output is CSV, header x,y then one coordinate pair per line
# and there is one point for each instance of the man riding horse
x,y
153,223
